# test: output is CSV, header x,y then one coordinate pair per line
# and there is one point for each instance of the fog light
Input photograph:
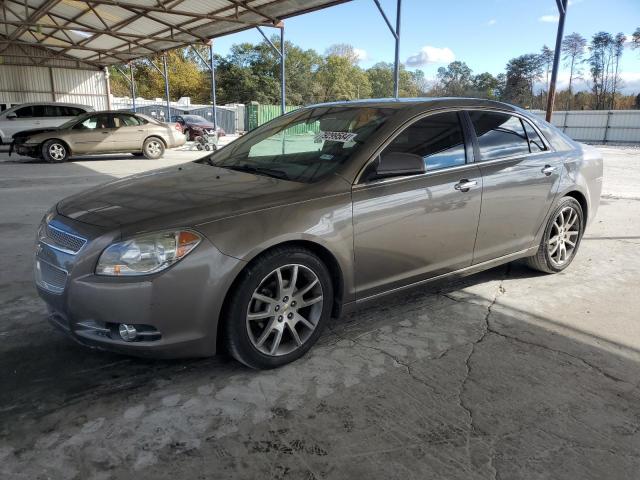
x,y
127,332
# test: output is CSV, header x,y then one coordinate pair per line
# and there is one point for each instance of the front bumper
x,y
178,308
25,149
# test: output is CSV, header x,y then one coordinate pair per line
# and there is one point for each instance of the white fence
x,y
599,126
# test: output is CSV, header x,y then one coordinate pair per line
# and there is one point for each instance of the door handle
x,y
548,170
465,185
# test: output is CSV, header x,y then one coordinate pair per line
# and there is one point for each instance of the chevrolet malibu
x,y
253,248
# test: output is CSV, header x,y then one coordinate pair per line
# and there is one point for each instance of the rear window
x,y
555,137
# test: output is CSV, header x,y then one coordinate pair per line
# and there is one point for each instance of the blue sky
x,y
483,33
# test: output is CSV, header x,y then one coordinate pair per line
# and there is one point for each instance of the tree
x,y
601,49
485,85
381,80
573,52
455,79
522,73
618,49
546,60
343,50
339,79
635,39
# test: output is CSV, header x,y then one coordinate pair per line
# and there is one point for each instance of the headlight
x,y
146,254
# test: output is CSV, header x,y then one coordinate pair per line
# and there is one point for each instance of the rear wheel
x,y
55,151
153,148
278,308
561,238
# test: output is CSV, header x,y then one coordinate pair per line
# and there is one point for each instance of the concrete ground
x,y
507,374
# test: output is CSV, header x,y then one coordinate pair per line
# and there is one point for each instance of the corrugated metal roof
x,y
106,32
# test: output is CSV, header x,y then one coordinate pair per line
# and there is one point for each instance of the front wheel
x,y
278,308
54,151
153,148
561,238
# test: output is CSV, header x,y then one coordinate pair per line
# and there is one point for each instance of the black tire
x,y
55,151
153,148
542,260
235,330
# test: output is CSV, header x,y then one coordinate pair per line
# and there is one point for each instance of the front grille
x,y
49,277
60,239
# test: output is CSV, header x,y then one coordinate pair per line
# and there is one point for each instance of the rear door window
x,y
128,120
54,111
499,135
535,142
39,110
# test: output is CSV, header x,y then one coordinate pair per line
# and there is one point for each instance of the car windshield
x,y
304,146
73,121
195,119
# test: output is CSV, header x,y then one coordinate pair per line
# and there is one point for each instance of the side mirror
x,y
394,164
11,116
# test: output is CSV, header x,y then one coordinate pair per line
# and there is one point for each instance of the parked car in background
x,y
197,126
37,115
254,247
100,132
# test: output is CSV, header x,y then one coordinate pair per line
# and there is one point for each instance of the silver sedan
x,y
253,248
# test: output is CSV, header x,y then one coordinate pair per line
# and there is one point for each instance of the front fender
x,y
324,221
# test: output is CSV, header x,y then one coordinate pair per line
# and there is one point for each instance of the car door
x,y
129,133
92,135
520,177
410,228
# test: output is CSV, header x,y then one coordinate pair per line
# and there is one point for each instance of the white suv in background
x,y
27,116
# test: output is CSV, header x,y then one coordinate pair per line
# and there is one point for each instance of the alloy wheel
x,y
57,151
284,310
154,148
563,236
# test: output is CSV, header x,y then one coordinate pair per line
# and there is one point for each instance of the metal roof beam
x,y
39,12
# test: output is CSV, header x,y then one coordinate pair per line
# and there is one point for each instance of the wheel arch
x,y
328,258
582,200
153,135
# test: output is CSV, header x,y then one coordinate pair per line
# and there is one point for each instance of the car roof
x,y
435,102
29,104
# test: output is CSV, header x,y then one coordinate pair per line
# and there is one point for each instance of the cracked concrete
x,y
505,374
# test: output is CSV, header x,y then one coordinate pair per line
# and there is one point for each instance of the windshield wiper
x,y
259,170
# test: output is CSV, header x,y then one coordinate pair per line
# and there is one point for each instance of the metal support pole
x,y
283,92
396,66
282,54
562,9
396,34
166,85
133,86
107,84
213,85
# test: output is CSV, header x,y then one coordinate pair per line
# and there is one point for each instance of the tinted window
x,y
39,111
499,135
24,112
53,111
438,139
535,142
71,111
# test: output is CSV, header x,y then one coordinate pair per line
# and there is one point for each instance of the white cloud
x,y
630,82
429,54
491,22
361,54
573,2
548,18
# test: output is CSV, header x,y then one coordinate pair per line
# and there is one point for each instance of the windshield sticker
x,y
343,137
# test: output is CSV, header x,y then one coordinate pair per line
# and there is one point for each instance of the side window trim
x,y
476,148
465,133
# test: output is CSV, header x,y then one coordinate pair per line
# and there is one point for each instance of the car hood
x,y
25,134
201,125
185,195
